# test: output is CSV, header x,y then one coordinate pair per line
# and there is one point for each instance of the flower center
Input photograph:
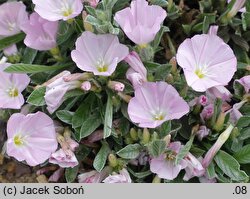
x,y
66,8
159,117
199,73
171,156
11,26
67,12
19,140
101,66
13,92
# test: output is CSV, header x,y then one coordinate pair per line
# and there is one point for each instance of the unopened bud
x,y
116,86
112,160
167,139
133,134
220,122
145,136
156,179
86,86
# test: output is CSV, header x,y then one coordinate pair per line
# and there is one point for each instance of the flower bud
x,y
112,160
116,86
133,134
86,86
145,136
220,122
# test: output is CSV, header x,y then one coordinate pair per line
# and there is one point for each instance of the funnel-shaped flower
x,y
56,90
12,15
40,33
137,73
237,7
141,22
54,10
164,165
11,88
31,138
219,92
155,103
122,177
64,159
99,54
204,58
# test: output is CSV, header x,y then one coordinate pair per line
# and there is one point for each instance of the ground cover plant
x,y
120,91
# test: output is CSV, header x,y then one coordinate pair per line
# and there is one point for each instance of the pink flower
x,y
31,138
137,73
40,33
164,166
11,50
216,147
12,15
194,167
56,90
11,88
54,10
93,176
93,3
122,177
219,92
202,132
207,112
141,22
204,58
237,7
64,159
99,54
245,82
234,112
155,103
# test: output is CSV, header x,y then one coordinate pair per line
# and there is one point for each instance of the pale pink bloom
x,y
219,92
216,147
202,132
11,50
237,7
40,33
92,3
205,179
245,82
141,22
116,86
137,73
64,159
94,176
164,165
207,112
155,103
121,177
12,15
86,86
194,167
11,88
99,54
204,58
56,90
54,10
31,138
213,30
